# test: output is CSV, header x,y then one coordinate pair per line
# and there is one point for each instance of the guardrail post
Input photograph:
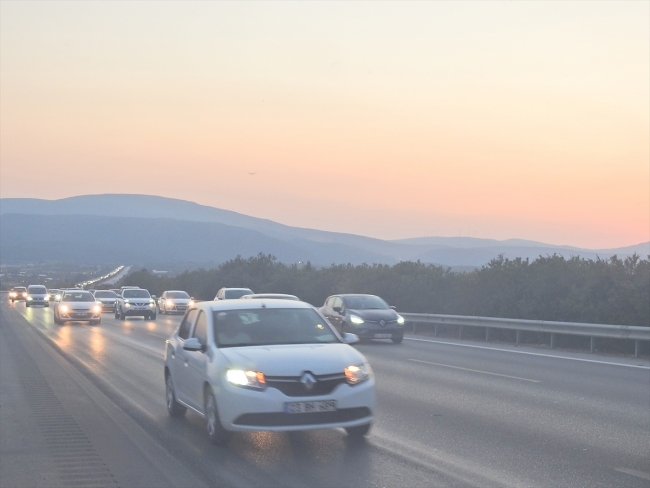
x,y
487,334
592,345
518,337
435,330
460,331
636,349
415,328
552,340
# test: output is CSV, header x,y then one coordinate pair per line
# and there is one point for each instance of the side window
x,y
200,331
330,302
337,302
186,325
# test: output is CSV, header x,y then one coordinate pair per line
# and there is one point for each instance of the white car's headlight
x,y
355,319
190,303
250,379
64,308
400,320
30,298
97,308
357,373
169,303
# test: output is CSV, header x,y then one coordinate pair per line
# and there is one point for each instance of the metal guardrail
x,y
553,328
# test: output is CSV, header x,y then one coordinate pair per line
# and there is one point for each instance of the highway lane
x,y
448,415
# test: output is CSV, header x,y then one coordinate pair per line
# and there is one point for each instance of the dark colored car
x,y
18,293
367,316
108,299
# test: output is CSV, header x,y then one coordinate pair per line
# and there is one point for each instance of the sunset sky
x,y
389,119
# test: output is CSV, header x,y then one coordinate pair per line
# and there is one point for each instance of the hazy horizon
x,y
498,120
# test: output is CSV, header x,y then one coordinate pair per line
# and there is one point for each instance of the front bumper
x,y
108,306
79,316
138,311
371,331
242,409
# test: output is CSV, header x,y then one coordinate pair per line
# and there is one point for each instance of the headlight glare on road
x,y
355,319
400,320
250,379
356,374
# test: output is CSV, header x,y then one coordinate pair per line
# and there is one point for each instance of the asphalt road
x,y
450,413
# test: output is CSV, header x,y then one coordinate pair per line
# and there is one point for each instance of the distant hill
x,y
123,228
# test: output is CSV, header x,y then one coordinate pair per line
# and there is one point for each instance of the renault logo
x,y
308,380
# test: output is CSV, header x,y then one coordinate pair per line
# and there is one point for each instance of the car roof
x,y
233,288
172,291
223,305
355,295
269,295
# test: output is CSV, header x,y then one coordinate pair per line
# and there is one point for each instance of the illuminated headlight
x,y
64,309
127,304
97,308
24,295
13,294
355,319
47,298
30,299
248,379
357,374
400,320
126,301
169,303
190,303
57,297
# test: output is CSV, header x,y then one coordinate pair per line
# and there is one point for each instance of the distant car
x,y
274,296
117,291
17,293
52,293
368,316
232,293
174,301
107,298
37,295
247,365
135,302
77,306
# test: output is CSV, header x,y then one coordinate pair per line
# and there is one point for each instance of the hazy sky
x,y
389,119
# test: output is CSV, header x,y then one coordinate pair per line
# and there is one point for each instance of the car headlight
x,y
400,320
169,303
248,379
97,308
47,299
12,294
30,298
190,303
57,297
64,308
126,301
355,319
24,295
357,373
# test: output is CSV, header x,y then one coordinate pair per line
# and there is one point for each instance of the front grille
x,y
388,323
291,385
279,419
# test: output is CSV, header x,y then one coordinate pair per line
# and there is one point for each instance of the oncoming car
x,y
77,306
37,295
276,365
174,301
17,293
135,301
107,298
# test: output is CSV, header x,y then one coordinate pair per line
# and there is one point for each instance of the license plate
x,y
310,407
383,336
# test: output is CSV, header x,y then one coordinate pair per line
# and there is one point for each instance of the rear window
x,y
37,289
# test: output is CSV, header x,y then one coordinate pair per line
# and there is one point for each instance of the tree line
x,y
608,291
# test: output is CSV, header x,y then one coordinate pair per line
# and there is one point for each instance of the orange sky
x,y
389,119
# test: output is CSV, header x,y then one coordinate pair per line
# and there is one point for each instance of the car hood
x,y
294,359
376,315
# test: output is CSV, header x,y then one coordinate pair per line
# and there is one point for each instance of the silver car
x,y
266,365
37,295
77,306
174,301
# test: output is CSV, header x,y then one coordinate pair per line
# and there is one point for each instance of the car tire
x,y
26,305
174,408
152,316
120,314
216,433
56,318
47,305
359,430
397,339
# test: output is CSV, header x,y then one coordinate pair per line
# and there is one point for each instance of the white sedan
x,y
272,365
174,301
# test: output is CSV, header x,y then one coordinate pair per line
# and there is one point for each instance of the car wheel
x,y
397,339
121,315
359,430
216,433
26,305
174,408
56,318
47,305
152,316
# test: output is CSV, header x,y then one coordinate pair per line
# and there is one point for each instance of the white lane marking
x,y
530,353
634,472
475,371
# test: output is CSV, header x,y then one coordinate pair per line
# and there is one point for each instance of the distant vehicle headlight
x,y
400,320
24,295
30,298
355,319
357,373
97,308
47,298
169,303
250,379
57,297
13,294
190,303
64,308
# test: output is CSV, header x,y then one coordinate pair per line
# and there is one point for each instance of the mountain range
x,y
153,230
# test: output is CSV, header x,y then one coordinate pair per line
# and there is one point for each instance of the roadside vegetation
x,y
611,291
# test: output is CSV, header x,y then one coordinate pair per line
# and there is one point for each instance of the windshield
x,y
37,289
79,296
20,288
136,294
268,326
237,293
365,302
177,294
105,294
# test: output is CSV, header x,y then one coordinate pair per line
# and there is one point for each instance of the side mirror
x,y
191,298
349,338
393,307
337,309
193,344
153,297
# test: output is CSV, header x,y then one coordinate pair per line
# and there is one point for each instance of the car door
x,y
336,317
179,366
197,363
